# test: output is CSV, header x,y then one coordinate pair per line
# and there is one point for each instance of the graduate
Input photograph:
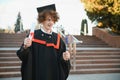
x,y
44,56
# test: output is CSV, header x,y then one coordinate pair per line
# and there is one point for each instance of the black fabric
x,y
47,7
40,62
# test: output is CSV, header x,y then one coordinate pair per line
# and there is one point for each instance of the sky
x,y
71,13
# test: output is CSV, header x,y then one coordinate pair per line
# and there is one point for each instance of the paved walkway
x,y
111,76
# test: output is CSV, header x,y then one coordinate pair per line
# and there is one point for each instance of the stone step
x,y
91,45
12,35
10,44
95,71
8,49
97,49
8,54
98,53
10,74
82,57
11,39
79,54
10,63
9,58
89,39
91,42
10,68
96,66
97,61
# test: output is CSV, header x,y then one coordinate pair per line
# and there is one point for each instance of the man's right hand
x,y
27,42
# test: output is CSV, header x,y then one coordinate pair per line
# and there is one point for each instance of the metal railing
x,y
75,41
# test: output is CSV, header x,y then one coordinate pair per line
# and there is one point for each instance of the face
x,y
48,23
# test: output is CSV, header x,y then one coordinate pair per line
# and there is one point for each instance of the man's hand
x,y
66,55
27,42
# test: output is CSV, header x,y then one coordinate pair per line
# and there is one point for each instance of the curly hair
x,y
43,15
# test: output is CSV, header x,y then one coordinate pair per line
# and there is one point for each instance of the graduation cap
x,y
47,7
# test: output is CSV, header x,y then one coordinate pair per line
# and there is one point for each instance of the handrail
x,y
74,38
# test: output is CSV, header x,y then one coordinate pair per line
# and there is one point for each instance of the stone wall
x,y
112,40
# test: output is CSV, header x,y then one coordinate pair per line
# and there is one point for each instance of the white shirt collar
x,y
45,31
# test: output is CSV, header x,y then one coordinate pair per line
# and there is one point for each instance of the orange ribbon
x,y
47,44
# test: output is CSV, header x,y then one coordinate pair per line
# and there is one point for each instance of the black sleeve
x,y
23,53
65,64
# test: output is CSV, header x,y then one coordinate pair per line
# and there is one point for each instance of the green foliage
x,y
18,25
105,11
2,30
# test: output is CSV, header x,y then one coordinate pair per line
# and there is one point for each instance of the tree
x,y
84,27
106,12
18,24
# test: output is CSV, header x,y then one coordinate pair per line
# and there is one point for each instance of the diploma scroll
x,y
32,31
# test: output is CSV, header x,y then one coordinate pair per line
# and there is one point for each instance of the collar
x,y
45,31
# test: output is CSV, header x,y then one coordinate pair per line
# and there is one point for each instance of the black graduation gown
x,y
41,62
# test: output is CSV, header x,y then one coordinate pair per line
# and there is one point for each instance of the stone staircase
x,y
97,61
11,40
91,41
93,56
9,62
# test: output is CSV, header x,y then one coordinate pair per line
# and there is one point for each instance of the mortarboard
x,y
47,7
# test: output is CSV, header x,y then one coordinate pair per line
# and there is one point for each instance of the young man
x,y
44,57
